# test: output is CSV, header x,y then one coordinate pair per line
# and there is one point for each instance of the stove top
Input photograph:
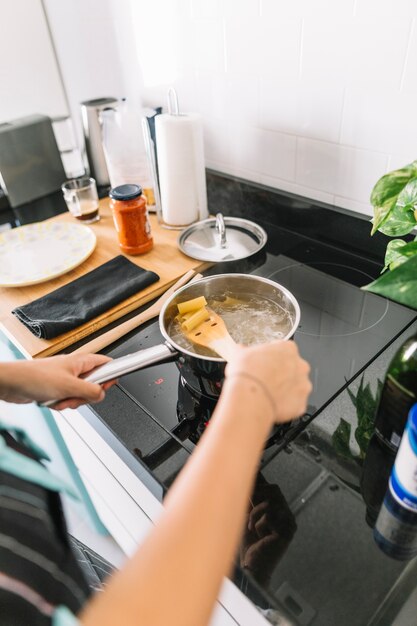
x,y
309,559
342,329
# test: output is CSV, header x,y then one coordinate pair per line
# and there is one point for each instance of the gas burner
x,y
330,307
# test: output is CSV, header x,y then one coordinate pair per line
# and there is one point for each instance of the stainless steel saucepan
x,y
193,365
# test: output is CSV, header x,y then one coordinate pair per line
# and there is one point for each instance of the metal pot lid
x,y
222,239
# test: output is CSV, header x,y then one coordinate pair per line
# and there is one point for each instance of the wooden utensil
x,y
213,334
104,340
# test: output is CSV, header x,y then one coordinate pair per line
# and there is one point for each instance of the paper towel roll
x,y
181,167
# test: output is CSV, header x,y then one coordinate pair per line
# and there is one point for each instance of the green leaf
x,y
408,196
365,410
390,185
399,284
365,403
401,221
410,249
363,434
393,254
340,439
385,194
381,214
378,391
352,396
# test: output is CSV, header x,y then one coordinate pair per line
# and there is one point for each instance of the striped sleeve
x,y
41,583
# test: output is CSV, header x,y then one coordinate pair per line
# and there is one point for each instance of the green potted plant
x,y
394,199
365,404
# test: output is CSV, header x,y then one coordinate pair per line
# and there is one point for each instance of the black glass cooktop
x,y
341,330
306,545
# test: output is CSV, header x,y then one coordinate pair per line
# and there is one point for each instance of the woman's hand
x,y
277,374
53,378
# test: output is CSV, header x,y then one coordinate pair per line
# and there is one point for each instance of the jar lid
x,y
222,239
125,192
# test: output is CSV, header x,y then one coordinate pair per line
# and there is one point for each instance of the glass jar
x,y
130,216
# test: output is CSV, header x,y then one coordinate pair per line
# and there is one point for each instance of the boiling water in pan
x,y
249,319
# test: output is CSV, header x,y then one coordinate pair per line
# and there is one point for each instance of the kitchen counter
x,y
323,566
164,259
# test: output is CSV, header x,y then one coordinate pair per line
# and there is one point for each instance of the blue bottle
x,y
395,530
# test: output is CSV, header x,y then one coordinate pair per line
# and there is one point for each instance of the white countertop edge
x,y
231,599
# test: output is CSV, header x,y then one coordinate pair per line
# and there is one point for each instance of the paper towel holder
x,y
173,107
152,159
152,154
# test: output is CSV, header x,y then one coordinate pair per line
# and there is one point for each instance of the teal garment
x,y
29,469
63,617
42,425
33,471
22,437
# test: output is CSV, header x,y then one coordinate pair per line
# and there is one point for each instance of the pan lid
x,y
222,239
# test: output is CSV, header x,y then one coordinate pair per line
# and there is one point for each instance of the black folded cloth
x,y
84,298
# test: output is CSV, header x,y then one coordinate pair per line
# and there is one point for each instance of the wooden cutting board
x,y
165,259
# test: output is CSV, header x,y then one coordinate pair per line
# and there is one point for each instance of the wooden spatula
x,y
213,334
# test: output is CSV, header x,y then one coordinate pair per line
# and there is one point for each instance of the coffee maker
x,y
90,114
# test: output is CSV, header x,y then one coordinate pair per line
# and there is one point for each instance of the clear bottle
x,y
395,530
124,148
398,394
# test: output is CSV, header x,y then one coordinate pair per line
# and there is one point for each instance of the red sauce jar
x,y
130,216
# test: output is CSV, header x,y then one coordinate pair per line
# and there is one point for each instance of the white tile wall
x,y
388,8
337,169
305,108
408,84
381,120
259,46
311,96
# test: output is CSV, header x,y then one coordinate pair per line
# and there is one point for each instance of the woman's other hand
x,y
53,378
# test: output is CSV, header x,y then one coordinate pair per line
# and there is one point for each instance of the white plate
x,y
38,252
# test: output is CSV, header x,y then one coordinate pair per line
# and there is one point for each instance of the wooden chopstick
x,y
104,340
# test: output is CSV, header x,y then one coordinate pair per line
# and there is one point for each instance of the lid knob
x,y
221,229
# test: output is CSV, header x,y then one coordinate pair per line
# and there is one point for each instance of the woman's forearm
x,y
175,577
10,374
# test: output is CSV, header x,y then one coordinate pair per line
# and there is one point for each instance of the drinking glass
x,y
81,197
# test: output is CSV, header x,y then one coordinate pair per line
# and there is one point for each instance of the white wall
x,y
317,97
89,38
29,75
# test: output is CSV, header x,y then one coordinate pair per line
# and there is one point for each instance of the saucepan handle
x,y
129,363
132,362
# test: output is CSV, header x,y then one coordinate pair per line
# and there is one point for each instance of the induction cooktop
x,y
342,329
157,421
